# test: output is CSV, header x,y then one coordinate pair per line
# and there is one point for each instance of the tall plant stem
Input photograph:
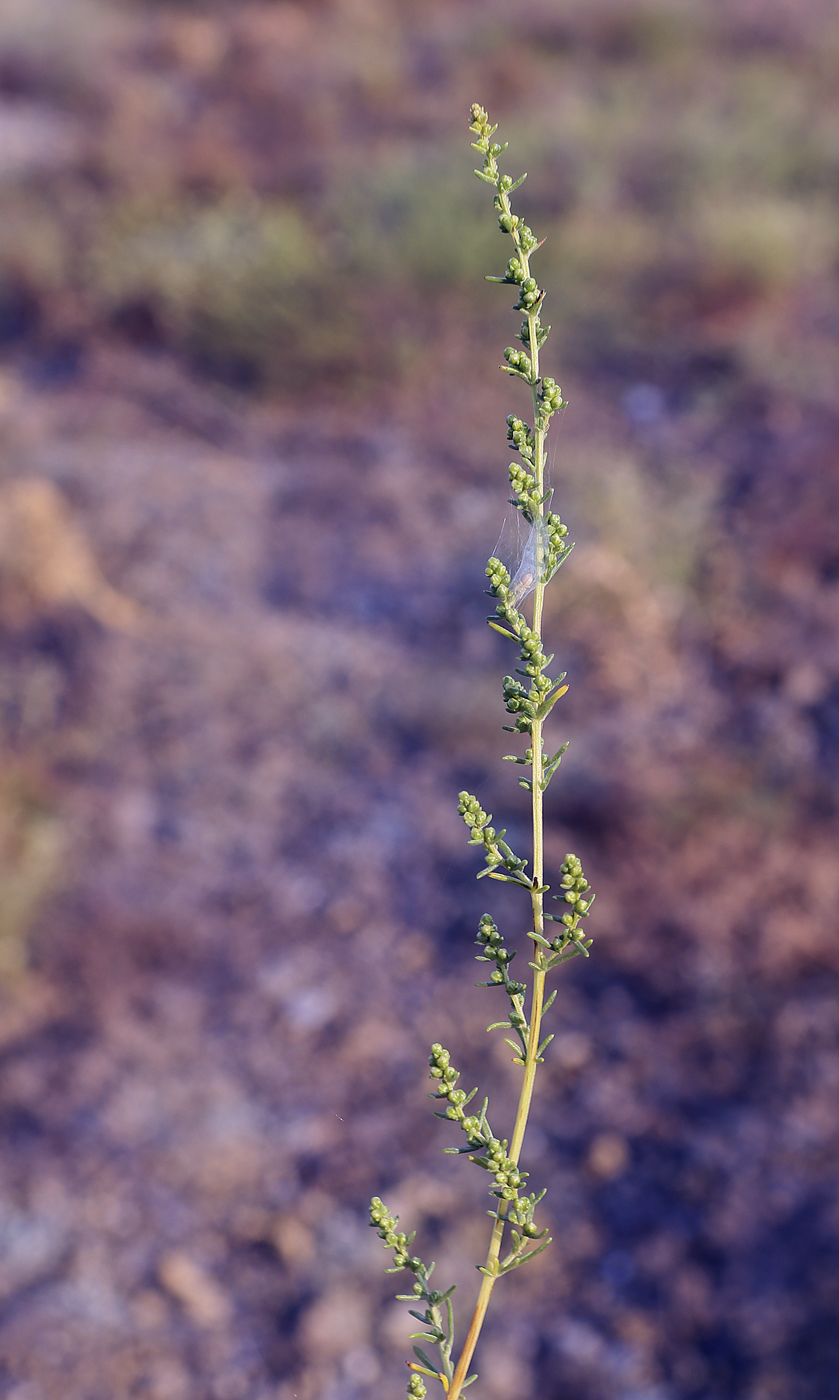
x,y
490,1272
530,701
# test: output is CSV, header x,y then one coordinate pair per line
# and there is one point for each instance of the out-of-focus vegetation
x,y
252,186
30,844
245,291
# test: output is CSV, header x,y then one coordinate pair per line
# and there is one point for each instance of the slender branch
x,y
530,1065
530,703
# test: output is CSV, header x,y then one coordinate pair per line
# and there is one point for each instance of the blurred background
x,y
253,462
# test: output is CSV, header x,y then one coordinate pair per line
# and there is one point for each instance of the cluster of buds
x,y
489,149
446,1076
385,1226
559,547
550,400
484,1148
491,943
526,494
518,362
442,1337
529,704
488,936
500,587
480,124
520,1213
521,436
497,854
517,1210
557,533
532,655
530,294
517,702
531,652
514,272
576,894
507,1176
491,1153
574,887
527,239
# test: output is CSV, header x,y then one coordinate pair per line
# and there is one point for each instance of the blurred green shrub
x,y
408,219
245,289
30,852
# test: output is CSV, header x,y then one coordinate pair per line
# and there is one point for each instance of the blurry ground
x,y
253,464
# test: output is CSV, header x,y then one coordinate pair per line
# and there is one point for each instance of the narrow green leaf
x,y
523,1258
565,957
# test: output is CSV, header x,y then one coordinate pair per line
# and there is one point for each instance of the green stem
x,y
531,1059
